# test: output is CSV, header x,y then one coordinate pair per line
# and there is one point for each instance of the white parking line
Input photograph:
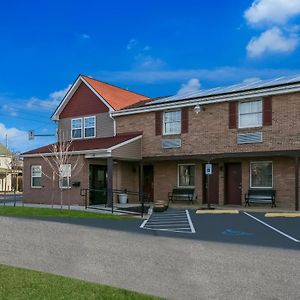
x,y
273,228
178,221
190,222
170,221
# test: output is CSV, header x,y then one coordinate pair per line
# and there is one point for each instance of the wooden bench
x,y
179,194
263,196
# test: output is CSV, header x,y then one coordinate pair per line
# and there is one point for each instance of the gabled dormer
x,y
85,111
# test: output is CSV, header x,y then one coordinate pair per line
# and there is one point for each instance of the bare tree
x,y
59,161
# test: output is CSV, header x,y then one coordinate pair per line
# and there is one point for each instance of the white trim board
x,y
70,93
209,100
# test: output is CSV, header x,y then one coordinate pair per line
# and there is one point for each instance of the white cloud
x,y
218,75
85,36
148,62
11,110
272,11
193,85
272,40
131,44
47,104
16,138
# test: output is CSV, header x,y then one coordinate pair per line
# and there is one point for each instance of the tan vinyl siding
x,y
104,126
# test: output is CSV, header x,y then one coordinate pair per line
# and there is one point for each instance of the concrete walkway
x,y
168,267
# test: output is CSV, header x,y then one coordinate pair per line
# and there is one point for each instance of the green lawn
x,y
22,284
51,212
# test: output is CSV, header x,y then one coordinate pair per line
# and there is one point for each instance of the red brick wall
x,y
165,179
209,132
50,193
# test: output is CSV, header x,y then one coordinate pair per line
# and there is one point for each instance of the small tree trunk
x,y
61,198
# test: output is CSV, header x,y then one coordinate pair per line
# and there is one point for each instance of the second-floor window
x,y
89,126
76,128
172,122
250,114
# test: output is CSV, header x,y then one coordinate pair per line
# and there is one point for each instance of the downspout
x,y
115,127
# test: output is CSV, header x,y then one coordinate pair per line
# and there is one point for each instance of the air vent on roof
x,y
171,143
249,138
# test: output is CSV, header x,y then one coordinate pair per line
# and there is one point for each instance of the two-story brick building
x,y
249,132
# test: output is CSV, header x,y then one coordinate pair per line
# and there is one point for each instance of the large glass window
x,y
172,122
89,126
261,174
76,128
65,176
36,176
186,175
250,114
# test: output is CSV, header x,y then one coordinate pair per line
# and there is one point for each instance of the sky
x,y
156,48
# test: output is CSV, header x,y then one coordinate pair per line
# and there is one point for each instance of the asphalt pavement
x,y
168,264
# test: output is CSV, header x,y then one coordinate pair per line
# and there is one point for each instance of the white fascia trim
x,y
208,100
111,109
125,143
95,151
99,151
66,99
70,94
97,155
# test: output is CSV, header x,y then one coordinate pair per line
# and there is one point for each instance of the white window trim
x,y
65,187
76,138
261,187
164,130
31,181
254,126
185,186
89,137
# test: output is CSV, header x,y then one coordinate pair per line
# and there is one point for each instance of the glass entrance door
x,y
98,184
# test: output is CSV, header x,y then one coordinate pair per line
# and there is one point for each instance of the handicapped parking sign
x,y
208,169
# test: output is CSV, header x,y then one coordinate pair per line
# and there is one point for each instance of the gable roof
x,y
4,151
115,98
90,144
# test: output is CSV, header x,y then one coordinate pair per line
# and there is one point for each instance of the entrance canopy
x,y
122,146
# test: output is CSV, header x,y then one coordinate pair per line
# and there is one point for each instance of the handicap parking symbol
x,y
231,232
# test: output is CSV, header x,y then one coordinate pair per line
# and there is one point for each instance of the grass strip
x,y
23,284
53,212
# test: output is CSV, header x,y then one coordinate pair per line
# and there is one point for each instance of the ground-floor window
x,y
65,176
186,175
261,174
36,176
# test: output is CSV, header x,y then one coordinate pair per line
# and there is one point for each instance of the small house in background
x,y
11,169
5,169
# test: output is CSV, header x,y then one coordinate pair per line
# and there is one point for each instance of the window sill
x,y
249,128
172,134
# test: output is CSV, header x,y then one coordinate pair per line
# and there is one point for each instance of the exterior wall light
x,y
197,109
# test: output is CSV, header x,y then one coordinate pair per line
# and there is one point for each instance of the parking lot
x,y
248,228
